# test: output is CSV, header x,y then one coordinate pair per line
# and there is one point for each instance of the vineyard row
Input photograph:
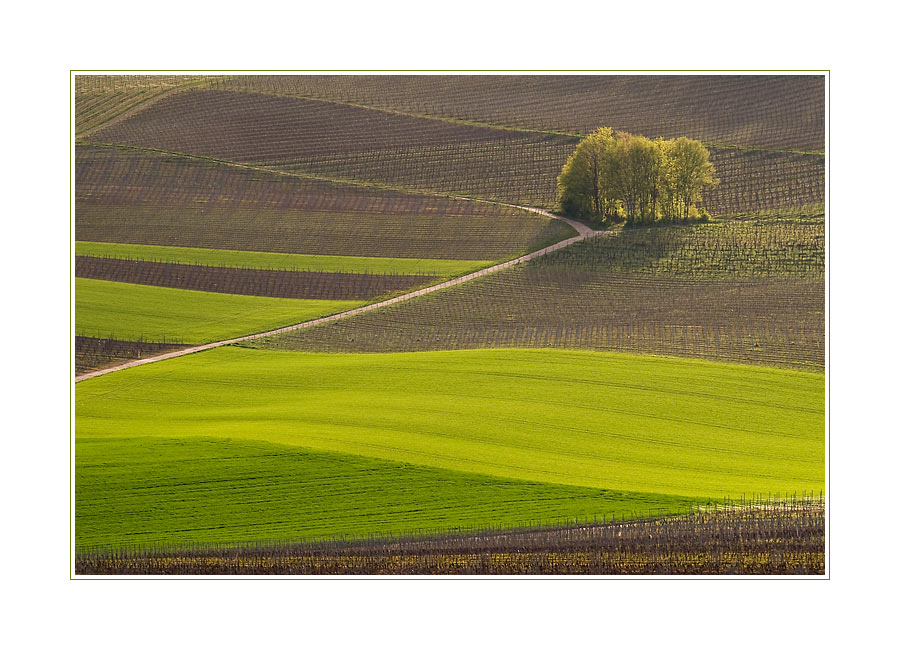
x,y
767,538
248,282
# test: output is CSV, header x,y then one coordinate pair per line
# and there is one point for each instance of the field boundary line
x,y
584,232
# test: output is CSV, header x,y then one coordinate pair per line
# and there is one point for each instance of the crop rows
x,y
247,282
113,176
525,172
92,353
141,198
321,233
595,296
759,539
98,98
728,249
351,143
277,261
515,171
752,181
782,112
262,129
773,322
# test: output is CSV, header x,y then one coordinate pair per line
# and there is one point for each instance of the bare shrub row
x,y
756,538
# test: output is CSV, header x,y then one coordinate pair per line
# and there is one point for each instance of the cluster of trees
x,y
614,176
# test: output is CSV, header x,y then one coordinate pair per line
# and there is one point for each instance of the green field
x,y
434,439
131,311
281,491
279,261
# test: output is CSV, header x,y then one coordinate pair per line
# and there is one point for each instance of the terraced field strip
x,y
774,111
388,149
278,261
159,198
280,444
583,233
316,285
104,100
118,310
739,292
785,537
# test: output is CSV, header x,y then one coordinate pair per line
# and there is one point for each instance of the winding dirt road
x,y
584,232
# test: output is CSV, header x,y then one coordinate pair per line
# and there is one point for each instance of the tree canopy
x,y
613,176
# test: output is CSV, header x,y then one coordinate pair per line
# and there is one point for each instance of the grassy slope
x,y
178,491
279,261
129,311
616,422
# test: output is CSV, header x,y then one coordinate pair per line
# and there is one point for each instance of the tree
x,y
584,189
640,163
648,180
688,172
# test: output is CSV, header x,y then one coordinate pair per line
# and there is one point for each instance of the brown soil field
x,y
525,173
777,322
519,168
248,282
769,111
638,292
516,171
149,198
264,129
782,539
95,353
723,250
99,98
756,181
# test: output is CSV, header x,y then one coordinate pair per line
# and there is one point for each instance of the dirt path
x,y
584,232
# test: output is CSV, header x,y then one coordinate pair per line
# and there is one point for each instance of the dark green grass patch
x,y
202,490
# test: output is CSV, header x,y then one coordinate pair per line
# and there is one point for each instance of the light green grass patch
x,y
132,311
201,490
280,261
610,421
